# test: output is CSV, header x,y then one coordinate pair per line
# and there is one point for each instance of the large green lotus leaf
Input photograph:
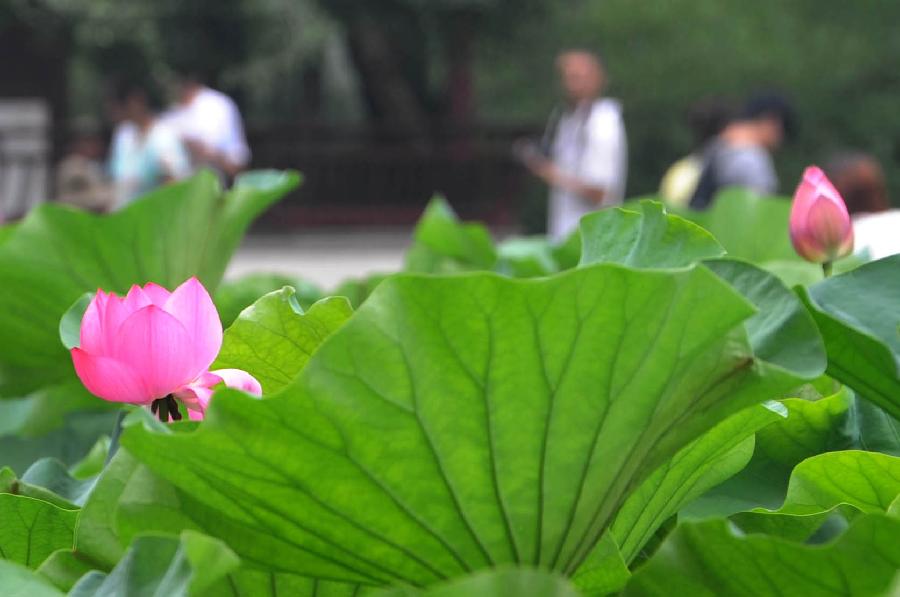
x,y
46,409
526,257
64,568
704,463
708,559
31,529
749,226
69,443
18,581
233,296
871,428
58,253
273,338
191,564
504,582
814,425
96,537
794,272
649,238
811,427
604,571
61,420
49,480
567,252
780,320
858,314
93,462
760,484
458,422
6,230
533,256
867,481
127,500
250,582
357,290
137,502
441,243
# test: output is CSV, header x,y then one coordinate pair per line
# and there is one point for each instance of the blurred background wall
x,y
381,102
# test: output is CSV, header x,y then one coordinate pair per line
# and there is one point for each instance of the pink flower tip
x,y
820,225
153,343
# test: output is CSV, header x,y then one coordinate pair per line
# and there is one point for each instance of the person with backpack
x,y
741,154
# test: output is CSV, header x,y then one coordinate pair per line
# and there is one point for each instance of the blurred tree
x,y
401,46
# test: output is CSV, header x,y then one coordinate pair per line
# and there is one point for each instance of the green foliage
x,y
442,244
64,568
160,565
61,422
871,428
526,257
31,529
476,434
70,322
707,558
50,481
811,427
867,481
704,463
358,290
603,571
645,238
18,580
233,296
506,471
857,316
94,461
748,226
273,338
97,539
57,254
504,582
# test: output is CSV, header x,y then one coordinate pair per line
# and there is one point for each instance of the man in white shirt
x,y
210,126
587,166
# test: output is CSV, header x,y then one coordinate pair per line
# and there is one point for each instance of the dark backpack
x,y
708,184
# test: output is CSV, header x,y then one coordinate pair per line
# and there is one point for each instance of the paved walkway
x,y
325,257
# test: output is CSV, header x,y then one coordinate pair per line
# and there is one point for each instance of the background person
x,y
210,126
741,155
859,179
706,118
80,176
146,151
584,160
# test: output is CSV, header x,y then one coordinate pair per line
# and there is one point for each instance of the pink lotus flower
x,y
821,230
154,347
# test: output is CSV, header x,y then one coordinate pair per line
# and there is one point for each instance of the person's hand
x,y
528,153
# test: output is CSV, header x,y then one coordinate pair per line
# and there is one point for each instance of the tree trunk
x,y
392,100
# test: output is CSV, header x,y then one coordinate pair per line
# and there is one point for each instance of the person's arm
x,y
230,152
553,176
600,163
206,154
172,154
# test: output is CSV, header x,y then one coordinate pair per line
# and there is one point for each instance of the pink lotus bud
x,y
155,347
821,230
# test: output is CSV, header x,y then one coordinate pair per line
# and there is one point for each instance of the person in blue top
x,y
146,151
